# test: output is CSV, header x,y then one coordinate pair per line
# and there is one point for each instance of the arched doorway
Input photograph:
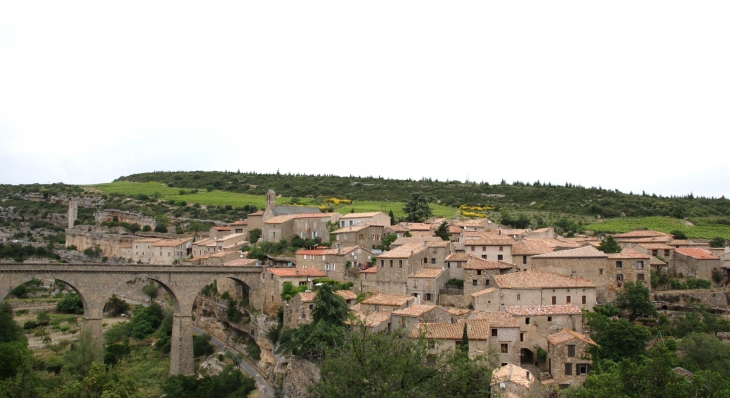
x,y
527,357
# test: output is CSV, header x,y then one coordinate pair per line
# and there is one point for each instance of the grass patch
x,y
700,230
148,367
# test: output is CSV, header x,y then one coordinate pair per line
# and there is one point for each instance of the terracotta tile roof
x,y
686,242
566,335
351,228
306,297
563,243
240,222
655,261
388,299
698,254
397,228
346,294
476,330
204,242
530,247
403,251
146,240
629,253
533,310
415,310
372,319
656,246
258,213
315,215
457,257
326,252
639,234
241,262
287,217
533,279
222,228
480,263
645,240
471,223
492,241
485,291
171,242
513,374
511,232
454,229
415,239
371,270
457,311
296,272
361,215
581,252
439,243
421,234
495,319
415,226
458,246
427,273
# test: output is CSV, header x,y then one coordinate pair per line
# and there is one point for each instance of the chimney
x,y
499,232
339,248
425,243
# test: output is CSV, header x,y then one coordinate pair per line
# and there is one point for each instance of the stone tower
x,y
73,211
270,205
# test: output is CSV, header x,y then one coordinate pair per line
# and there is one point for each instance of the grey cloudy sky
x,y
632,95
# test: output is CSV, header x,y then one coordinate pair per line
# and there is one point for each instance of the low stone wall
x,y
719,298
453,300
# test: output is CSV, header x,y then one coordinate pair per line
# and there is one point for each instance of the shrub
x,y
70,304
456,282
201,345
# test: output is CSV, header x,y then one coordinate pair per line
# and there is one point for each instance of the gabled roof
x,y
640,234
628,253
361,215
296,272
655,261
241,262
476,330
371,270
526,247
480,263
306,297
327,252
286,217
457,257
171,242
567,335
222,228
656,246
388,299
415,239
534,310
698,254
495,319
534,279
491,241
240,222
415,310
346,294
403,251
581,252
351,228
284,210
485,291
372,319
427,273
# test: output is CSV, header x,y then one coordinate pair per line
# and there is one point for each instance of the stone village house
x,y
568,358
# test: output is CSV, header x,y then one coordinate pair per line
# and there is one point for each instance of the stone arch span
x,y
96,282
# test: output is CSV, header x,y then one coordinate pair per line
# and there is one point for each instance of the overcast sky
x,y
633,95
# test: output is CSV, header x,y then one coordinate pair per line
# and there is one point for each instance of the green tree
x,y
443,231
100,382
392,217
254,235
718,242
9,330
388,239
326,330
616,338
116,306
150,290
81,354
417,208
678,234
609,245
702,352
70,304
634,298
386,364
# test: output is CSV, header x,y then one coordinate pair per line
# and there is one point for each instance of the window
x,y
458,264
583,299
391,263
600,271
494,332
655,253
473,282
382,262
581,369
501,248
431,343
433,261
326,267
479,272
425,260
527,321
415,283
568,369
500,257
505,348
303,283
487,282
571,351
311,307
567,299
666,253
375,308
639,265
640,277
484,248
472,248
518,296
619,264
524,259
403,322
555,300
400,263
428,296
619,277
484,256
522,337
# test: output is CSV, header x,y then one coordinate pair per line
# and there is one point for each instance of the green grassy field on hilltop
x,y
699,230
222,198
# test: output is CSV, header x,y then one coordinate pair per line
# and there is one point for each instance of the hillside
x,y
568,198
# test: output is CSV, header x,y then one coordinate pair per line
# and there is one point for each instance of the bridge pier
x,y
93,325
181,346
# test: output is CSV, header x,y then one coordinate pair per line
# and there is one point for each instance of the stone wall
x,y
103,215
108,240
719,298
453,300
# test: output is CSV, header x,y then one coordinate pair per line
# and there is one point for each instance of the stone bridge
x,y
95,283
